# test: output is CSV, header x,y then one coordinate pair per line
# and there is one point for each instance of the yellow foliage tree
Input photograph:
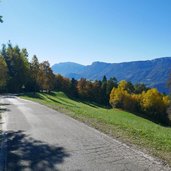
x,y
155,104
123,85
132,102
117,97
151,102
120,98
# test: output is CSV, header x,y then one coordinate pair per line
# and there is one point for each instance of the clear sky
x,y
84,31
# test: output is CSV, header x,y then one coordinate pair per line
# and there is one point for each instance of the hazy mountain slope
x,y
154,73
67,67
94,71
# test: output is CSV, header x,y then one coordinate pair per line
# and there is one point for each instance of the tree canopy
x,y
1,21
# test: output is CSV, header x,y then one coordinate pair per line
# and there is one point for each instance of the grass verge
x,y
122,125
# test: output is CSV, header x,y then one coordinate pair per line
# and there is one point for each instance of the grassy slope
x,y
119,124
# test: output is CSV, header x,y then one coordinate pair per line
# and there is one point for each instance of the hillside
x,y
154,73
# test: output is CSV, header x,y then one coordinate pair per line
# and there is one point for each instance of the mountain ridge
x,y
153,73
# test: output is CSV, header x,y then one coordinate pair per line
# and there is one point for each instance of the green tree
x,y
104,90
139,88
97,92
73,88
3,73
18,66
58,82
32,78
1,21
112,82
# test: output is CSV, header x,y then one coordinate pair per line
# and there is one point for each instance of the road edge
x,y
3,145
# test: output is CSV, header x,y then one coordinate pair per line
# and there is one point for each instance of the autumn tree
x,y
63,84
150,103
82,88
45,77
155,105
128,86
117,97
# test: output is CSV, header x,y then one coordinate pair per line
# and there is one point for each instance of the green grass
x,y
122,125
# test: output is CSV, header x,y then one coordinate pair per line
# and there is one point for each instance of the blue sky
x,y
84,31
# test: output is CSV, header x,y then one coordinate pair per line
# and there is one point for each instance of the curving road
x,y
41,139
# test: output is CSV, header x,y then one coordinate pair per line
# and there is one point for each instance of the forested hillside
x,y
153,73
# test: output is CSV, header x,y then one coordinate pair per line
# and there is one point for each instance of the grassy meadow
x,y
127,127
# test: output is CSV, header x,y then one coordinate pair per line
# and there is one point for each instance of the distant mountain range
x,y
154,73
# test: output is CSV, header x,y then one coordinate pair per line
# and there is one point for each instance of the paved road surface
x,y
41,139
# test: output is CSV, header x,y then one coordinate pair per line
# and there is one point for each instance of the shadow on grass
x,y
33,95
27,153
63,102
53,100
92,104
66,102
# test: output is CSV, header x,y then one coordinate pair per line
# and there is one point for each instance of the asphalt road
x,y
41,139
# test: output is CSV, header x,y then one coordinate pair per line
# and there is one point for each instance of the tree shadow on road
x,y
27,153
2,110
3,107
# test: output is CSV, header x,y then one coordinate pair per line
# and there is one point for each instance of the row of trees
x,y
97,91
18,74
150,103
